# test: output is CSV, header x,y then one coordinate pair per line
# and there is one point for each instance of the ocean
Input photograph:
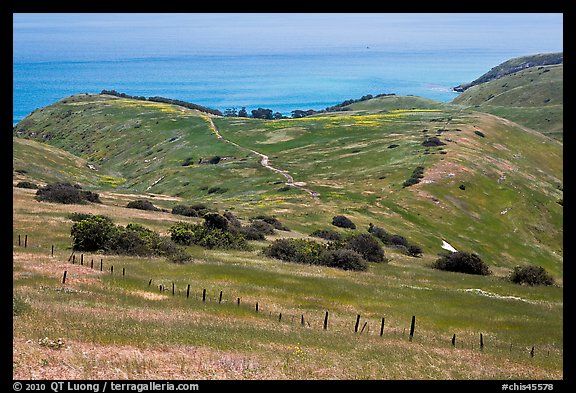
x,y
281,82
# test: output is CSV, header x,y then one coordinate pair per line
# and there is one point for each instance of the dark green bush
x,y
295,250
274,222
262,227
142,204
326,234
367,246
27,184
66,193
215,221
462,262
232,219
531,275
343,222
92,234
204,236
76,216
414,250
343,259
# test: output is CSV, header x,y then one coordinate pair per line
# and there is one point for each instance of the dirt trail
x,y
264,161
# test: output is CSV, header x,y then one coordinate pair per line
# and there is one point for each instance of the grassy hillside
x,y
119,324
492,187
357,161
532,97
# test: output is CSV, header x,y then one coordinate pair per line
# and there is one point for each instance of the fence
x,y
357,325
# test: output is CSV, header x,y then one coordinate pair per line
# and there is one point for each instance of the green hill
x,y
529,94
357,161
488,186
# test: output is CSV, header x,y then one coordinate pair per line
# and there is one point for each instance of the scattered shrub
x,y
417,174
215,221
142,204
414,250
76,216
232,219
197,210
531,275
66,193
432,141
188,161
343,222
367,246
462,262
295,250
217,190
274,222
204,236
479,133
92,234
343,259
27,184
327,234
261,227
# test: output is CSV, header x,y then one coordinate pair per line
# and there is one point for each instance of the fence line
x,y
339,323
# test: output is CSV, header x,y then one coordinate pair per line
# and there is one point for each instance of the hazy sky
x,y
110,36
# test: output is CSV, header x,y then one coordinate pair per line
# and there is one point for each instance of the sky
x,y
71,36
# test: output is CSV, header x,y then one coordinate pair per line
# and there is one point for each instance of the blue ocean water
x,y
282,82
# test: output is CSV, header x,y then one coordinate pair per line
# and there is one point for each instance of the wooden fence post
x,y
382,327
188,291
124,273
150,282
52,252
238,302
82,259
363,326
220,298
19,241
326,320
412,327
101,261
532,352
454,340
357,322
64,277
25,241
302,320
92,263
73,259
204,295
279,317
172,288
111,269
481,342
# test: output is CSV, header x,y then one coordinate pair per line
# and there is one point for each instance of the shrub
x,y
232,219
187,162
295,250
142,204
531,275
479,133
432,141
187,234
343,222
462,262
343,259
76,216
217,190
196,210
396,241
414,250
367,246
215,221
66,193
261,227
274,222
327,234
27,184
92,234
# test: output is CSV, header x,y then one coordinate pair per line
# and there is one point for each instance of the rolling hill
x,y
528,92
488,185
356,160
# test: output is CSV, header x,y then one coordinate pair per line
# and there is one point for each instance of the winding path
x,y
264,161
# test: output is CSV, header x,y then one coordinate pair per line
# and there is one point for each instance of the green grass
x,y
344,156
